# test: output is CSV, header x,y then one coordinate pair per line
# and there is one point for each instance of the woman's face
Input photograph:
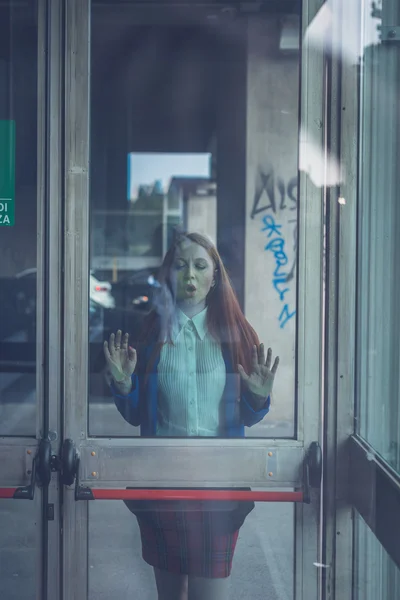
x,y
192,274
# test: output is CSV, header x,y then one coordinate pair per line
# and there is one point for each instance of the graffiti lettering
x,y
276,245
271,227
265,185
285,316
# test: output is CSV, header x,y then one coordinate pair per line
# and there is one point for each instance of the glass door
x,y
369,230
187,120
20,382
30,319
360,525
204,178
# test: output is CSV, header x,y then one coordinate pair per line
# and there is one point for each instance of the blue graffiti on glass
x,y
276,245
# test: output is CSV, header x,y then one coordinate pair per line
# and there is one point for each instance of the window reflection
x,y
198,368
228,131
376,576
18,237
378,249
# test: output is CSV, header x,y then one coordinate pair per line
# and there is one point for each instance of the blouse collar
x,y
198,322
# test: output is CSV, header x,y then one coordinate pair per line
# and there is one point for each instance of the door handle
x,y
312,469
67,464
314,462
40,474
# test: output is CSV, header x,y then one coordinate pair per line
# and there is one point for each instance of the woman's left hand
x,y
261,379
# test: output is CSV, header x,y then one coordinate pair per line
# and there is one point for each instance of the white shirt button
x,y
190,348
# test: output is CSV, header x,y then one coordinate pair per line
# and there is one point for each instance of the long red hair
x,y
225,319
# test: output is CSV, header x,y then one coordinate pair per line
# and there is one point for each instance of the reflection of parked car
x,y
23,290
136,290
100,292
18,302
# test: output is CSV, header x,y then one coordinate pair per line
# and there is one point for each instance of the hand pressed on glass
x,y
121,358
261,379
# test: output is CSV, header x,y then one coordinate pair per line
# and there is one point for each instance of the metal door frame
x,y
341,218
360,477
101,464
52,39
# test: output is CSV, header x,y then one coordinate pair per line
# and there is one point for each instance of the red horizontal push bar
x,y
141,494
7,492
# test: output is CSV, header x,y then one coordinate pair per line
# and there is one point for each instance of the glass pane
x,y
18,202
194,128
378,249
18,549
262,561
376,575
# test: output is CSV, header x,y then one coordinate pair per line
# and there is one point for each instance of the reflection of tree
x,y
148,199
139,230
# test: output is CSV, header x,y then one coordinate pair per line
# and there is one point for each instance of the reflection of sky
x,y
147,168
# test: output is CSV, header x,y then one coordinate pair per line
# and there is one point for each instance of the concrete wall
x,y
271,202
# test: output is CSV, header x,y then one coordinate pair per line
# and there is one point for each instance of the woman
x,y
198,370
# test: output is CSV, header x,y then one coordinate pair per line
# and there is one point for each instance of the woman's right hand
x,y
120,357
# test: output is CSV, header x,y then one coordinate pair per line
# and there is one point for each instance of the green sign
x,y
7,173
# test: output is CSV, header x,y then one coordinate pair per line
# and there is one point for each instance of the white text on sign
x,y
4,217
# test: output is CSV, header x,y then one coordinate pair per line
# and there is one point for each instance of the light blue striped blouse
x,y
191,380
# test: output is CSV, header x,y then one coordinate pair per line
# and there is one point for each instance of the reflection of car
x,y
136,290
100,292
24,292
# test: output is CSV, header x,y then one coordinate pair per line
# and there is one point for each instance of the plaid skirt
x,y
187,542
